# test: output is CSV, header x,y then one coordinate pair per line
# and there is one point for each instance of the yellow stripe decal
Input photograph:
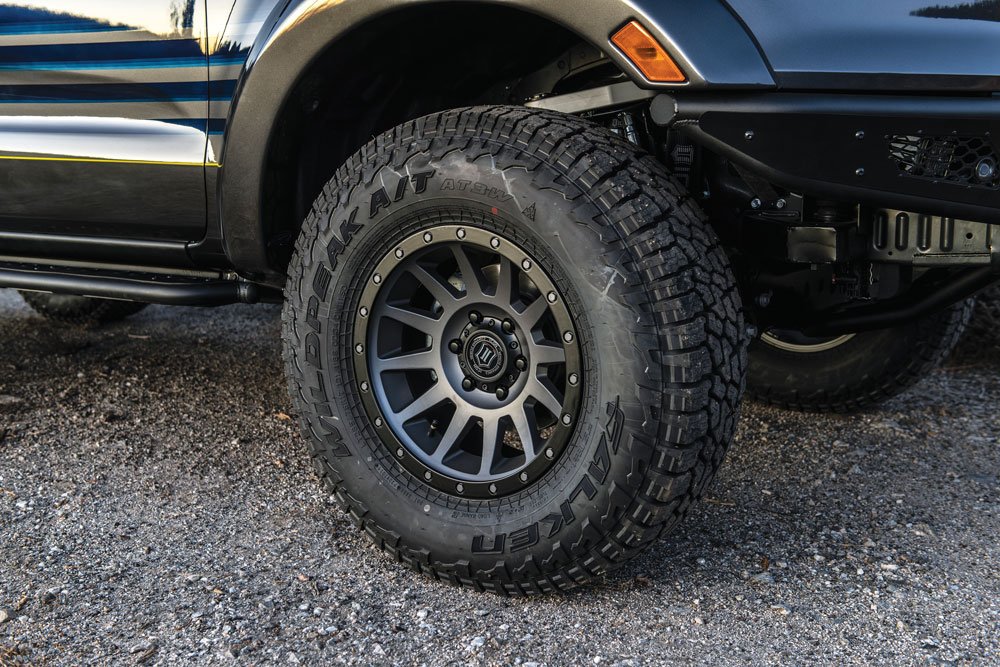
x,y
108,161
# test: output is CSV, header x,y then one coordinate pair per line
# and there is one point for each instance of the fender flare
x,y
710,44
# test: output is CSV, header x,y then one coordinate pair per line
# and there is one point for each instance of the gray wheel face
x,y
467,360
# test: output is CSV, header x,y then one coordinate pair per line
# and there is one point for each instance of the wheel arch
x,y
309,43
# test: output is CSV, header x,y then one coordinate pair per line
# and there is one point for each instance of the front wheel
x,y
851,372
516,349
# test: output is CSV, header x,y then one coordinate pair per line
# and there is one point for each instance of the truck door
x,y
103,123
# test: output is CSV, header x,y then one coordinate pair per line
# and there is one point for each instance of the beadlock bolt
x,y
573,378
526,264
359,348
460,233
399,253
566,419
363,311
428,237
494,242
460,488
524,477
551,297
568,336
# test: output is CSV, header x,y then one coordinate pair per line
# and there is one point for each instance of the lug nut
x,y
507,326
468,384
455,346
475,317
501,393
520,363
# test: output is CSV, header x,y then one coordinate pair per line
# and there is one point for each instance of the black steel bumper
x,y
931,154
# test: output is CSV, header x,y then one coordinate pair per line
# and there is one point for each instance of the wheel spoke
x,y
418,321
544,394
547,354
470,276
504,282
491,436
529,316
451,435
524,430
438,289
421,404
415,361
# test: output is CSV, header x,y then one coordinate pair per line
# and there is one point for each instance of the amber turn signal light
x,y
646,54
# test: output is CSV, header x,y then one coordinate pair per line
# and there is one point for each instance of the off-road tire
x,y
658,318
80,310
861,372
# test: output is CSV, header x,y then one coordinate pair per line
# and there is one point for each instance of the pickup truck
x,y
529,251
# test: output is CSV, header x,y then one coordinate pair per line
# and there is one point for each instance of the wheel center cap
x,y
486,356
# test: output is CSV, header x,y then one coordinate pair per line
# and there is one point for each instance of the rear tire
x,y
854,372
80,310
511,212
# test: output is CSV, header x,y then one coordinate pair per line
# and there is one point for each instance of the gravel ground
x,y
156,506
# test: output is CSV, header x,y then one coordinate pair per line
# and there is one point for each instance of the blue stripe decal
x,y
53,28
101,52
114,92
117,64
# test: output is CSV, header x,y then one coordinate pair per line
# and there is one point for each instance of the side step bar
x,y
133,287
